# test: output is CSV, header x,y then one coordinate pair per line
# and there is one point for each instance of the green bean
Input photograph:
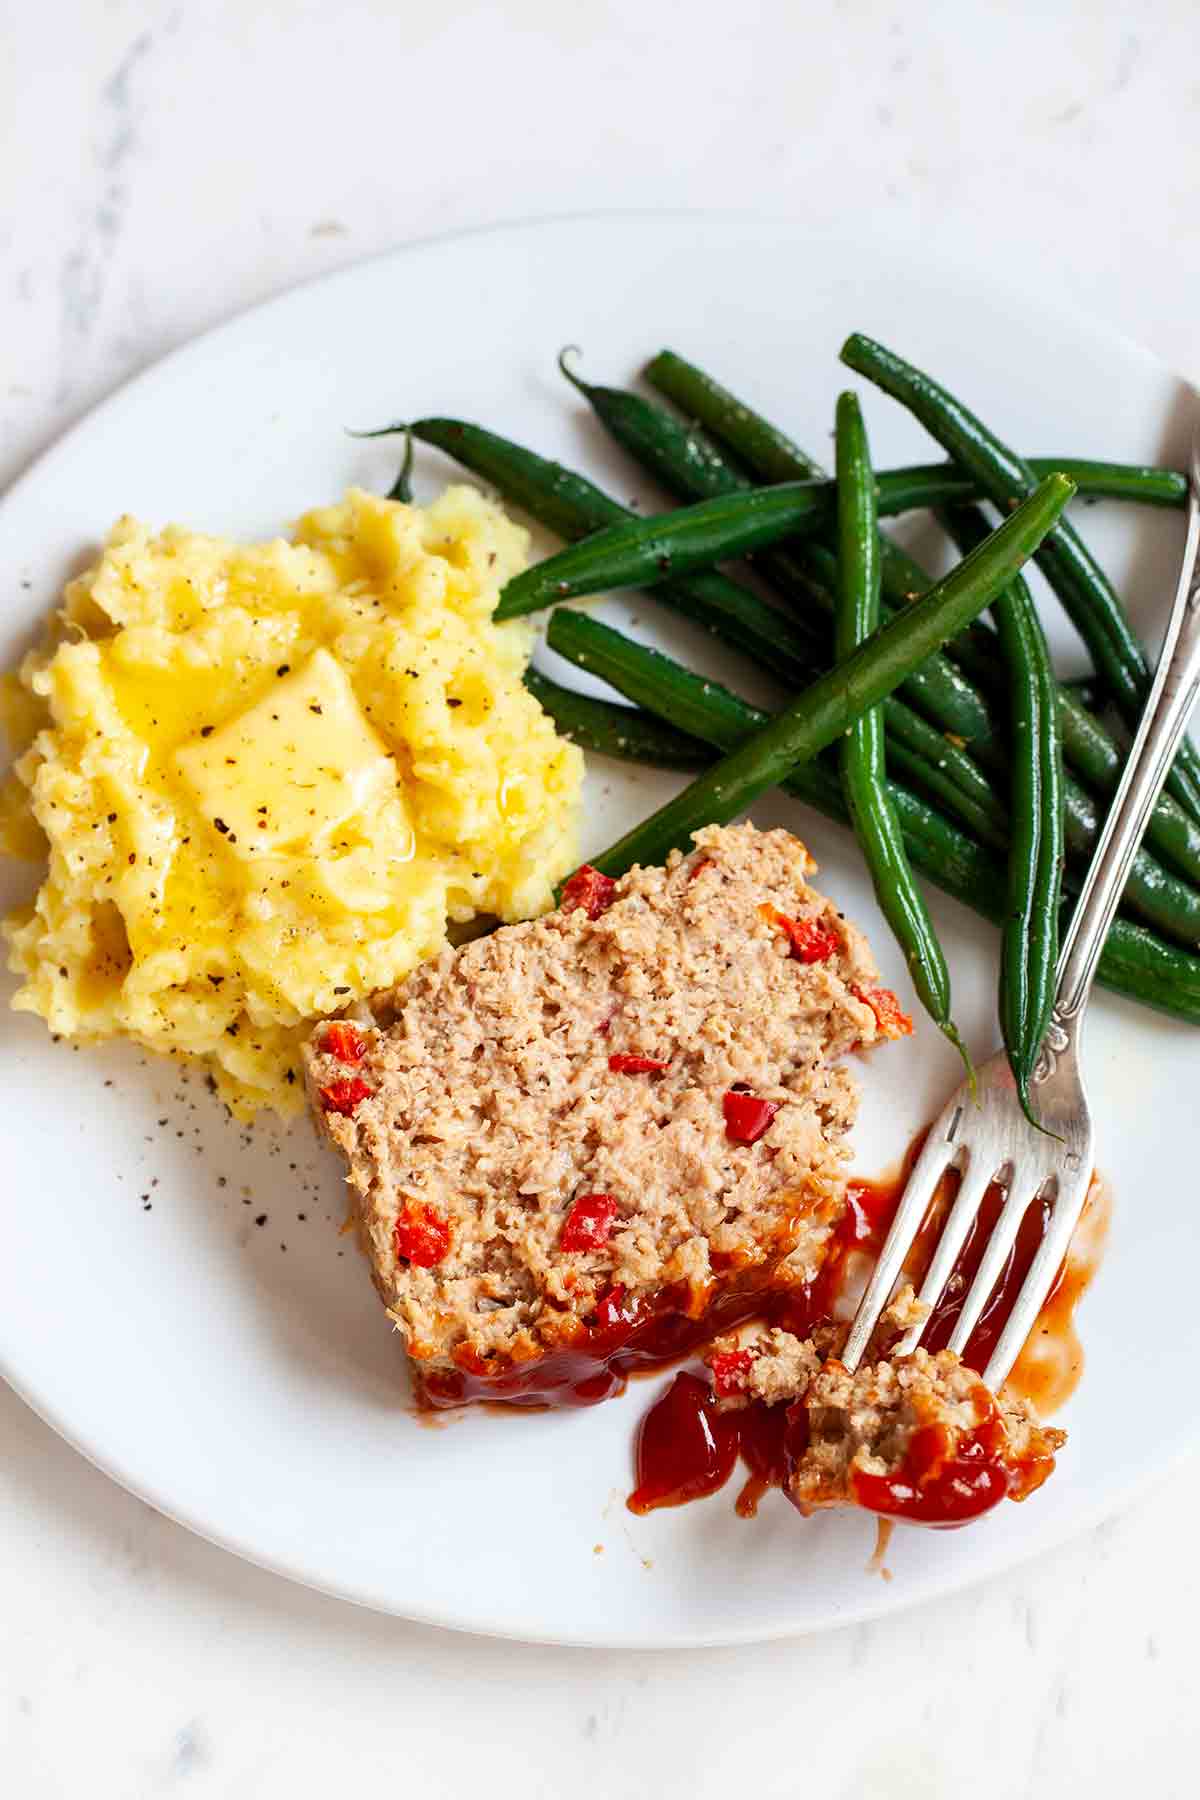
x,y
1093,754
937,689
1134,962
864,781
1087,747
772,455
695,470
837,699
612,730
1029,940
644,552
1160,899
951,775
985,820
682,458
1077,579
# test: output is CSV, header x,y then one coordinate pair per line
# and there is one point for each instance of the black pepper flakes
x,y
341,990
132,857
221,826
283,669
261,1219
450,701
207,730
313,707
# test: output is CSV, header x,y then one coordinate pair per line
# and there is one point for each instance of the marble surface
x,y
163,165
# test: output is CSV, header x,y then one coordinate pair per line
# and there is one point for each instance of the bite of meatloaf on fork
x,y
576,1136
915,1437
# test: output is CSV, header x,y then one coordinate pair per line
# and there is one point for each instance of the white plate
x,y
256,1394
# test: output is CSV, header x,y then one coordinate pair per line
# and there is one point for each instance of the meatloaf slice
x,y
917,1437
629,1108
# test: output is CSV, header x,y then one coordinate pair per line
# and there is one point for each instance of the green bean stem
x,y
613,730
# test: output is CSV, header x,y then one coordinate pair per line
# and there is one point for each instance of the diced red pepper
x,y
612,1310
344,1041
747,1117
811,941
589,1223
344,1096
590,889
727,1371
636,1065
892,1020
699,866
422,1235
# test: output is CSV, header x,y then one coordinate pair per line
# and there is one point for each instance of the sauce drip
x,y
686,1448
965,1485
630,1337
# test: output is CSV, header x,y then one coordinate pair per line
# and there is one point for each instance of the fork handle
x,y
1172,696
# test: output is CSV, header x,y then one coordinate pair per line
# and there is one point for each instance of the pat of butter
x,y
293,767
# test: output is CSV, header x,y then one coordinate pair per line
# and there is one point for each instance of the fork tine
x,y
977,1178
1000,1241
936,1157
1068,1204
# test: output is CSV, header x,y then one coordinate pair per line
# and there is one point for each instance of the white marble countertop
x,y
163,165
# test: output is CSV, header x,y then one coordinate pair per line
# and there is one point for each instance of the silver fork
x,y
993,1141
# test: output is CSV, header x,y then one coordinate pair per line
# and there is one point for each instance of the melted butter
x,y
297,765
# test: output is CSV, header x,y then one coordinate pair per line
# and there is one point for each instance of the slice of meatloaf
x,y
629,1108
917,1437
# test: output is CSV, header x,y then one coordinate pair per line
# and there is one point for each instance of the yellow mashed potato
x,y
269,775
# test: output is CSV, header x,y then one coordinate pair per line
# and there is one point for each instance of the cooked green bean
x,y
772,455
1160,899
864,772
644,552
1134,962
938,690
1077,579
683,459
1087,747
671,452
624,731
837,699
1029,941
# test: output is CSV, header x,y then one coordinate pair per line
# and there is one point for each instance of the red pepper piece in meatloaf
x,y
587,1056
915,1437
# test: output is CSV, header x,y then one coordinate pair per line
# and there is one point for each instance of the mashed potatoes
x,y
270,775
